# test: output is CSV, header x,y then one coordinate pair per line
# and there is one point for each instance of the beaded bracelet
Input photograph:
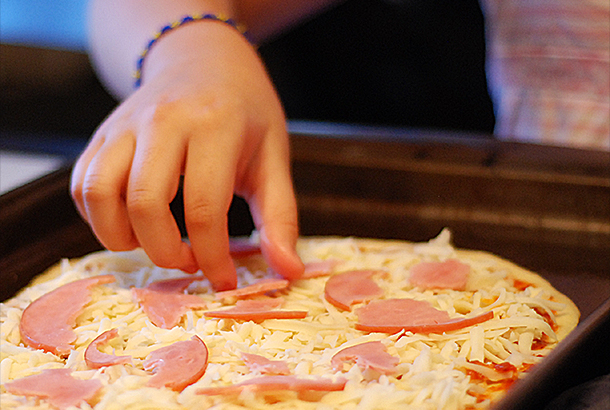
x,y
184,20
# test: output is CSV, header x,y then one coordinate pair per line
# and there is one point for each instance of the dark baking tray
x,y
546,208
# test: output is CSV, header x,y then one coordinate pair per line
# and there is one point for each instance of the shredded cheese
x,y
434,370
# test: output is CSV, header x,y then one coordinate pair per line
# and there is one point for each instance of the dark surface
x,y
593,395
50,92
39,226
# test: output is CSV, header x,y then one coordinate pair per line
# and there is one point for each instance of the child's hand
x,y
214,117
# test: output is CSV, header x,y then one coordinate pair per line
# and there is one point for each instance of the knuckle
x,y
76,191
203,215
164,111
142,202
94,189
193,111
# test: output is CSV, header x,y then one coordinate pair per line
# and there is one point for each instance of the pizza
x,y
372,324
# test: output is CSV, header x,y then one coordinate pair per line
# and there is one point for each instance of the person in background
x,y
206,109
549,70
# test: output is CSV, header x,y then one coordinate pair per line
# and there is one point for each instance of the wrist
x,y
187,36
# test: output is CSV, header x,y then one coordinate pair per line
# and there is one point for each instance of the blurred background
x,y
413,63
50,100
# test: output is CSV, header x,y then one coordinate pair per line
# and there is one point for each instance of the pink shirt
x,y
548,69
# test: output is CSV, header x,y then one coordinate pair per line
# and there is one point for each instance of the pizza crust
x,y
571,315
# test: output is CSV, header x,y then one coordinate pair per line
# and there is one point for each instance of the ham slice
x,y
48,321
241,248
450,274
369,355
177,365
164,303
57,387
394,315
96,359
260,287
256,310
264,365
319,268
276,383
177,285
347,288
